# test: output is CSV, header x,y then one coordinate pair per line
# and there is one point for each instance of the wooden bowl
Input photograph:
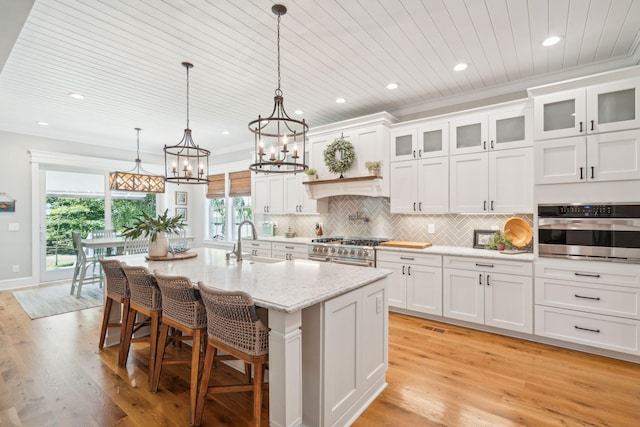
x,y
518,231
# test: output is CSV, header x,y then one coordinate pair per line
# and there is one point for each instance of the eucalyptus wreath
x,y
347,154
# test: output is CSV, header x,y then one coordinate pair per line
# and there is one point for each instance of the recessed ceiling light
x,y
341,100
225,132
299,112
461,66
76,96
551,41
42,123
392,86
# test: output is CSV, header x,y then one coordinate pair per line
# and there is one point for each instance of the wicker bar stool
x,y
118,291
146,299
183,310
234,327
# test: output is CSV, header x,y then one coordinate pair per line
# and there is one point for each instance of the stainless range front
x,y
607,232
351,251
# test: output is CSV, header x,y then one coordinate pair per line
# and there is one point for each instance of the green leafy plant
x,y
148,226
498,239
311,172
373,165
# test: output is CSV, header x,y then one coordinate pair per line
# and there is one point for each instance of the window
x,y
227,209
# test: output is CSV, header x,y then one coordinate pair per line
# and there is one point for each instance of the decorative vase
x,y
159,248
312,177
500,246
374,171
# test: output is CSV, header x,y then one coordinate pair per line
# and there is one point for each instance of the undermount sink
x,y
264,259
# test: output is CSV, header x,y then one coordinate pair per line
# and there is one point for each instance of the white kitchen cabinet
x,y
350,351
589,303
288,251
499,181
420,186
256,247
267,194
601,108
416,282
296,198
488,292
497,129
419,140
612,156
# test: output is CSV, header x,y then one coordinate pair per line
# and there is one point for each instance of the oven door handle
x,y
319,259
356,263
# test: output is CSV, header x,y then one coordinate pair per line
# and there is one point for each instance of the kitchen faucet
x,y
237,248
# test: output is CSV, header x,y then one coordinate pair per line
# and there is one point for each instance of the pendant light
x,y
279,139
137,179
186,162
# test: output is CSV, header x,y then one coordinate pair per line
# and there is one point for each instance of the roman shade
x,y
240,184
216,186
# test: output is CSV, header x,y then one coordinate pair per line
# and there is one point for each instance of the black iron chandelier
x,y
279,139
137,179
186,162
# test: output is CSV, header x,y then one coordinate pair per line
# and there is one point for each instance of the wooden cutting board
x,y
403,244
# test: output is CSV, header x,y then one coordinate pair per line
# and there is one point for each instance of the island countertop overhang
x,y
286,286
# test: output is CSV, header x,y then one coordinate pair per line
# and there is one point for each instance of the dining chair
x,y
117,288
81,267
136,246
183,310
146,300
233,326
102,234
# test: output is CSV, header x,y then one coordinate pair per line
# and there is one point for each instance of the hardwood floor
x,y
52,374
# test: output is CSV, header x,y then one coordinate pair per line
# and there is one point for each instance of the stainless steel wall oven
x,y
607,232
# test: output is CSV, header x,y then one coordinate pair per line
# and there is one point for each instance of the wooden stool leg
x,y
257,394
162,342
105,322
210,354
153,344
126,338
124,317
195,372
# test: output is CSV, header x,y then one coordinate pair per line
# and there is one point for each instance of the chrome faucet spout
x,y
238,251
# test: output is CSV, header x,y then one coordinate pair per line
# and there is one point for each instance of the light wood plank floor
x,y
52,374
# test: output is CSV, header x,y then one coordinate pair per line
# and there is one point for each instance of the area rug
x,y
51,300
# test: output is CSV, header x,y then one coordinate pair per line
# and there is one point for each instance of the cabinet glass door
x,y
433,140
403,144
613,106
560,114
510,129
617,106
469,135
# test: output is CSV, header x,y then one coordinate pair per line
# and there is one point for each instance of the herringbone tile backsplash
x,y
359,216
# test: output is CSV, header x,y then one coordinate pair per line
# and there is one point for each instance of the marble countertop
x,y
466,252
304,240
287,286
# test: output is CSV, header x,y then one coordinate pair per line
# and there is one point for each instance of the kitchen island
x,y
328,329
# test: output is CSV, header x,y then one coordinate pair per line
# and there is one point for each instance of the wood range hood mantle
x,y
370,185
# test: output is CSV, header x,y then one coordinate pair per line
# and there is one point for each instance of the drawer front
x,y
590,272
409,258
256,244
289,247
613,300
488,265
612,333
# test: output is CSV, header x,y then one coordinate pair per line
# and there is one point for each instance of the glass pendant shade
x,y
137,179
280,141
186,162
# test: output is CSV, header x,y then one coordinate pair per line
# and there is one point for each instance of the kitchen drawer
x,y
589,271
409,258
612,333
289,247
256,244
603,299
488,265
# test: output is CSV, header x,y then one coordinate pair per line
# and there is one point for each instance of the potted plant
x,y
155,229
498,241
373,167
312,174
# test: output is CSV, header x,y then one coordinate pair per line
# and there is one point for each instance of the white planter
x,y
160,247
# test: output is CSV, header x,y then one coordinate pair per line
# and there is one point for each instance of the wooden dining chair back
x,y
86,269
183,310
117,290
146,300
234,327
136,246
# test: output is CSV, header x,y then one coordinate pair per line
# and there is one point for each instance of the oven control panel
x,y
589,211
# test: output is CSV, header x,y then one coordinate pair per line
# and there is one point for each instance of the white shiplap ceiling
x,y
124,56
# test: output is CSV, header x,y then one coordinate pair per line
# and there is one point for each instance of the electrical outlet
x,y
14,226
16,268
432,228
378,304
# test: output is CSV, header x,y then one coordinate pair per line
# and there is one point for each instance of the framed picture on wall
x,y
181,197
183,212
481,238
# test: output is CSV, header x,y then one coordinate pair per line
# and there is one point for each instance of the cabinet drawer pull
x,y
409,271
414,154
484,145
420,153
414,206
420,206
584,297
480,279
484,265
255,244
492,205
484,205
289,247
592,172
597,276
587,329
580,126
492,144
581,173
591,124
403,267
488,284
408,258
